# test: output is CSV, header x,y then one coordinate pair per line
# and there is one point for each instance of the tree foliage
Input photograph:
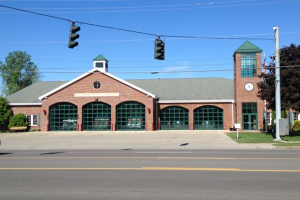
x,y
18,121
289,80
18,72
5,112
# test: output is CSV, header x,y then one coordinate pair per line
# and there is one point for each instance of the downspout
x,y
156,117
232,114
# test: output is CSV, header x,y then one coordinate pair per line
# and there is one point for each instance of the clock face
x,y
249,86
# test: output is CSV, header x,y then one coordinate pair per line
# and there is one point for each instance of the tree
x,y
5,113
18,72
289,80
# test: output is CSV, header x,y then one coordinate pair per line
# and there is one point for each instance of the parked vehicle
x,y
134,123
208,124
101,123
69,124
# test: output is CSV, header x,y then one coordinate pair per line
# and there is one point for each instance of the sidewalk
x,y
123,140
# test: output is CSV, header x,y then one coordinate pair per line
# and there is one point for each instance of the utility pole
x,y
277,82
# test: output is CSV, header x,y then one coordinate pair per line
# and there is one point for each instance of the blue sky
x,y
46,39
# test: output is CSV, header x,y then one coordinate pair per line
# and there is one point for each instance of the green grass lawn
x,y
292,138
246,137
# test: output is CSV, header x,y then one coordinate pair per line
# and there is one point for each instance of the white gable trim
x,y
92,71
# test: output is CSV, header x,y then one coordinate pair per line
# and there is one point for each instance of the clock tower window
x,y
248,64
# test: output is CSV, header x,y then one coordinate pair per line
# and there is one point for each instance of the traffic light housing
x,y
159,52
73,36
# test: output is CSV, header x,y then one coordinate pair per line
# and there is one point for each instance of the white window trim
x,y
298,117
269,122
31,120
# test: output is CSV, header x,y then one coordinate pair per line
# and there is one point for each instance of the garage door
x,y
130,116
174,118
96,117
208,118
63,117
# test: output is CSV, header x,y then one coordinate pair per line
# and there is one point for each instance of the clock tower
x,y
248,107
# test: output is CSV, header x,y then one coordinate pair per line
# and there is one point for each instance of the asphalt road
x,y
145,174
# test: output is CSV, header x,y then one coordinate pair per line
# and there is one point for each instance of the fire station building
x,y
100,101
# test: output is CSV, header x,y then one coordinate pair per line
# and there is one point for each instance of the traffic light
x,y
159,52
72,37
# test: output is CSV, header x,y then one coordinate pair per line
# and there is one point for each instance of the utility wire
x,y
196,6
155,66
109,27
132,61
155,72
142,40
132,31
150,6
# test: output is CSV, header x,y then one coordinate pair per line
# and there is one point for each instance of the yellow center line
x,y
190,169
156,169
191,158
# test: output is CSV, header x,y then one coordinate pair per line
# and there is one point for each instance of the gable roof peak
x,y
248,47
100,58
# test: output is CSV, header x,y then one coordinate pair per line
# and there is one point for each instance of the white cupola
x,y
100,63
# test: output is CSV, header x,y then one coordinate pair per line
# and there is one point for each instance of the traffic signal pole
x,y
277,82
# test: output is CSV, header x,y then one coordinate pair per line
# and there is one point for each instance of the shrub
x,y
18,120
284,114
296,126
270,128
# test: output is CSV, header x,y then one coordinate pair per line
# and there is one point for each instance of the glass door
x,y
249,121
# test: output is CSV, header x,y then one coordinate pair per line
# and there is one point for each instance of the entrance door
x,y
249,121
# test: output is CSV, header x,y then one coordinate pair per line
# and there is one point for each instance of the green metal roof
x,y
100,58
248,47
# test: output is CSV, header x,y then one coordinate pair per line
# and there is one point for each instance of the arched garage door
x,y
130,116
96,116
174,118
63,117
208,118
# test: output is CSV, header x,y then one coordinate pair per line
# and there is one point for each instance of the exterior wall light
x,y
149,110
45,112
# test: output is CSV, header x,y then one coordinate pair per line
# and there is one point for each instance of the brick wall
x,y
241,95
28,110
227,112
108,85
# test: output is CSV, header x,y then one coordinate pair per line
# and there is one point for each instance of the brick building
x,y
100,101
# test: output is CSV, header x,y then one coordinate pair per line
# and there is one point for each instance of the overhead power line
x,y
151,72
155,66
167,7
132,31
125,61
